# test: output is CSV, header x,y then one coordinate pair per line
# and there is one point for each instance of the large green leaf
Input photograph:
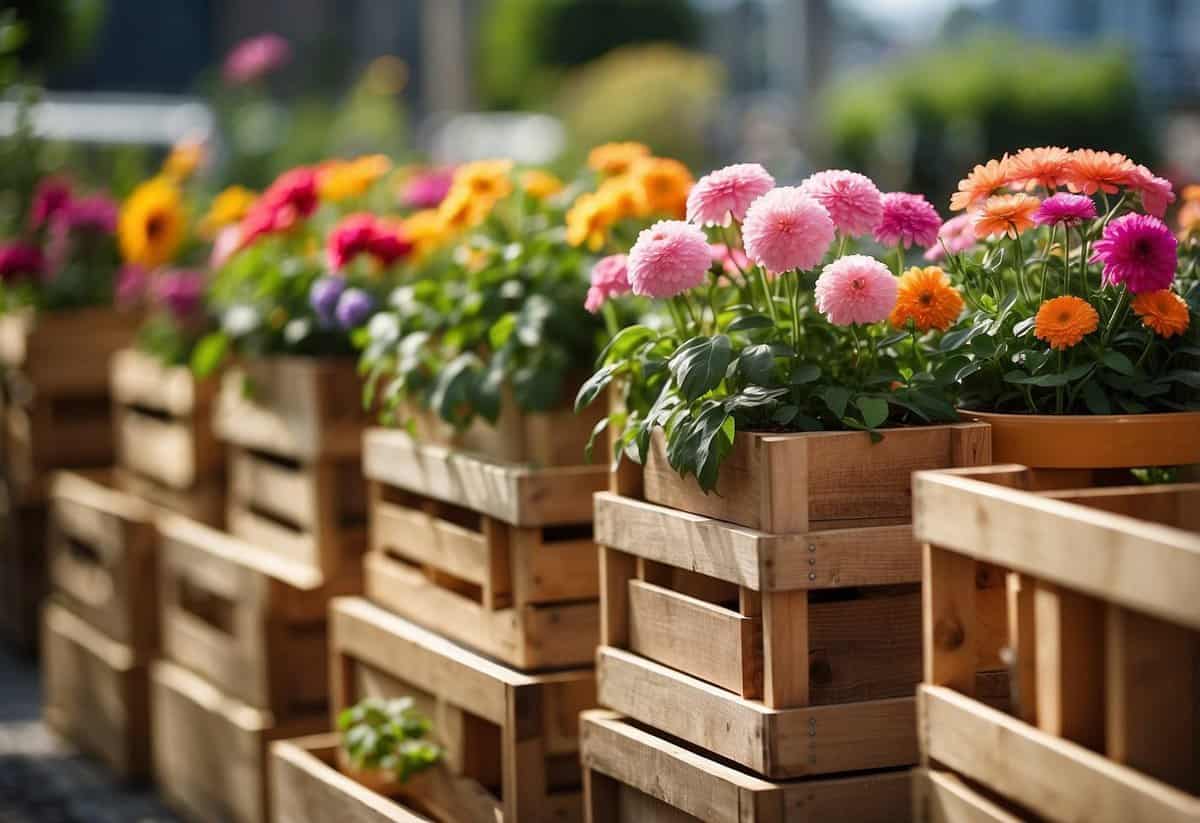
x,y
699,365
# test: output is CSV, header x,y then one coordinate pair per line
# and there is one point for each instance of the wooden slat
x,y
140,379
424,538
66,352
288,492
1050,776
940,797
1070,665
949,619
162,449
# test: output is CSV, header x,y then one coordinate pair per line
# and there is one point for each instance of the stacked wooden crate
x,y
56,414
763,641
1101,627
244,612
481,603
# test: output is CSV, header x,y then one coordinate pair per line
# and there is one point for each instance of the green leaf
x,y
699,365
755,364
455,387
750,322
836,398
502,330
1118,362
594,385
600,427
209,354
1095,399
874,410
804,373
625,341
1185,376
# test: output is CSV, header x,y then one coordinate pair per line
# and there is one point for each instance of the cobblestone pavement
x,y
44,780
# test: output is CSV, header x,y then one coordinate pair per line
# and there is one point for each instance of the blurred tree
x,y
526,45
921,124
60,32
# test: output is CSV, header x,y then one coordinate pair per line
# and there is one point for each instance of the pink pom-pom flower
x,y
1139,251
255,58
852,200
908,220
610,278
1064,207
957,234
786,229
1156,192
856,289
727,193
668,258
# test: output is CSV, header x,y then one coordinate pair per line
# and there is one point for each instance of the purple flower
x,y
1064,207
428,190
255,58
353,308
324,298
181,292
1139,251
97,213
20,261
908,219
133,282
52,195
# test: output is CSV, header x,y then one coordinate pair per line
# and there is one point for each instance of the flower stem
x,y
766,287
1116,318
899,260
1145,350
1058,390
1046,263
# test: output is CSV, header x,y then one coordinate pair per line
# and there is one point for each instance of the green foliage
x,y
663,96
526,45
389,735
916,124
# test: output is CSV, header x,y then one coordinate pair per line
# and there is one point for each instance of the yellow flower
x,y
588,221
186,156
665,184
616,158
426,231
460,210
540,184
486,179
624,197
152,223
227,208
344,179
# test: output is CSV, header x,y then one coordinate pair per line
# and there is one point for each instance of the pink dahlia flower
x,y
856,289
133,283
181,293
727,193
255,58
22,261
732,260
429,189
852,200
96,213
1139,251
786,229
610,278
1156,192
908,219
957,234
51,197
1064,207
668,258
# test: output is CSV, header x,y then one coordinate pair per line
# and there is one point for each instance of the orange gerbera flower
x,y
1063,321
981,183
623,197
1008,214
1045,167
486,179
588,221
1189,217
927,300
1091,171
540,184
616,158
1163,311
665,184
1191,194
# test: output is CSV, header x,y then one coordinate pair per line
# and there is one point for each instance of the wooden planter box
x,y
631,776
514,734
23,580
818,480
249,621
164,422
103,558
95,692
1103,628
211,751
295,426
497,556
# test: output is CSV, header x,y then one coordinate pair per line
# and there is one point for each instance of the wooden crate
x,y
633,776
23,581
784,483
205,503
95,692
1103,630
210,751
67,352
103,558
163,418
251,622
514,734
494,555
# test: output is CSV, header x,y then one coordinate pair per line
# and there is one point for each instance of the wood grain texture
x,y
940,797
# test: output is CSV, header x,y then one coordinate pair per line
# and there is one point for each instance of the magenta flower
x,y
428,190
364,233
668,258
610,278
52,195
255,58
390,243
856,289
96,213
133,283
1066,208
181,293
852,200
20,261
727,193
957,234
1156,192
908,219
786,229
1139,251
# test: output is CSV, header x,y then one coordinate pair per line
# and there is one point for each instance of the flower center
x,y
155,226
926,299
858,284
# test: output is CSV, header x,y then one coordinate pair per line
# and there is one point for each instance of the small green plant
x,y
388,735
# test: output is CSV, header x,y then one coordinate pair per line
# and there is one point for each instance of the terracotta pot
x,y
1103,441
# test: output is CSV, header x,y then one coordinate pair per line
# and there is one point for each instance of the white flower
x,y
241,319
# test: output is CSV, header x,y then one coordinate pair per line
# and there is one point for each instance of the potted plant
x,y
1081,344
385,744
783,353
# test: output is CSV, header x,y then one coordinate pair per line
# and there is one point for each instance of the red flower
x,y
290,199
364,233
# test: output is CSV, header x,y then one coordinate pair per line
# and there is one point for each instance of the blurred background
x,y
912,92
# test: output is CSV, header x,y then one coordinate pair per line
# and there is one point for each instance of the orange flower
x,y
1091,171
186,156
1163,311
623,197
1045,167
927,300
616,158
1063,321
1008,214
981,183
588,221
1191,194
462,211
486,179
665,184
1189,217
540,184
